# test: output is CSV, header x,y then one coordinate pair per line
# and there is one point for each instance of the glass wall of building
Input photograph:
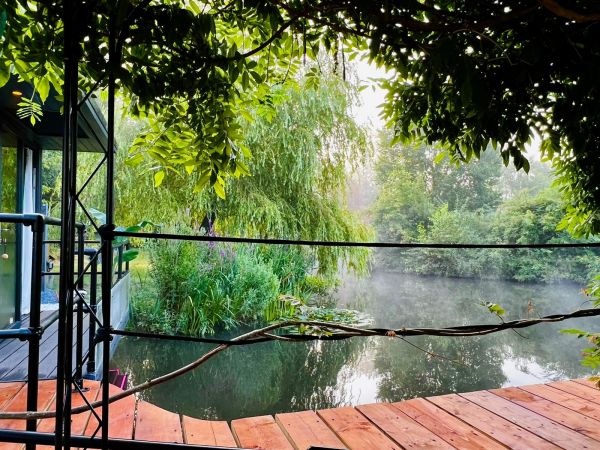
x,y
8,236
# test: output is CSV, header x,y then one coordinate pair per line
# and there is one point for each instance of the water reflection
x,y
276,377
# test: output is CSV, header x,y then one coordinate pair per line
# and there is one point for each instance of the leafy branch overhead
x,y
466,73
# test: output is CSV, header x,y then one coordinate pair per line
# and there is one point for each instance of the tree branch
x,y
561,11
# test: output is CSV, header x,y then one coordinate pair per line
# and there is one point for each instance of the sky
x,y
367,113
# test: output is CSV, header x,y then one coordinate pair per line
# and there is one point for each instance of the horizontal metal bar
x,y
58,273
23,334
205,238
30,219
49,320
17,218
36,437
56,241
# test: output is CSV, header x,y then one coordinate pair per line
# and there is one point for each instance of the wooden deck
x,y
564,414
14,353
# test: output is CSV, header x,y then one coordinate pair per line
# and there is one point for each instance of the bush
x,y
196,288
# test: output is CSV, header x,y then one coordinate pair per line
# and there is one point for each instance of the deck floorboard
x,y
553,411
559,397
543,416
452,430
542,426
355,430
305,429
401,428
206,432
260,432
14,353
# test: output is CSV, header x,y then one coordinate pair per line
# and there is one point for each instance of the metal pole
x,y
91,364
120,262
107,234
67,237
34,322
80,285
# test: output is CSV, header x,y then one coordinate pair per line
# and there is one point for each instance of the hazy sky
x,y
367,113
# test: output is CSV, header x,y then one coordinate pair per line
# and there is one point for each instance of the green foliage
x,y
495,309
472,186
414,205
287,193
591,355
197,288
29,109
301,158
466,74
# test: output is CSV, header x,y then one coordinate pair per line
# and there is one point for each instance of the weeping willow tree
x,y
298,150
302,155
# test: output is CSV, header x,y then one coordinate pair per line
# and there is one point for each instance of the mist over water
x,y
278,377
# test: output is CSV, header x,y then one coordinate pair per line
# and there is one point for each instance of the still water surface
x,y
278,377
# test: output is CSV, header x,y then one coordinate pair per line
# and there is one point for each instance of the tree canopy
x,y
467,74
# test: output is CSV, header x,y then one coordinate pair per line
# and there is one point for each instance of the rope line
x,y
265,334
206,238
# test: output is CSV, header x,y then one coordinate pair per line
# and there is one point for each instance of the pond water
x,y
277,377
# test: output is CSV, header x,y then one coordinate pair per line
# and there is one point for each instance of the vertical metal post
x,y
120,262
91,364
80,285
34,322
67,237
107,235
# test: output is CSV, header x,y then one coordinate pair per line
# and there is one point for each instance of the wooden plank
x,y
489,423
79,422
48,364
578,390
16,368
9,353
525,418
14,358
355,430
46,393
401,428
259,432
206,432
587,382
447,427
121,415
157,424
546,408
7,391
565,399
305,429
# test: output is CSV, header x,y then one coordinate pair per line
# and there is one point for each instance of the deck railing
x,y
34,332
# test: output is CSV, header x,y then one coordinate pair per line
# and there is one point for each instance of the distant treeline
x,y
478,203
